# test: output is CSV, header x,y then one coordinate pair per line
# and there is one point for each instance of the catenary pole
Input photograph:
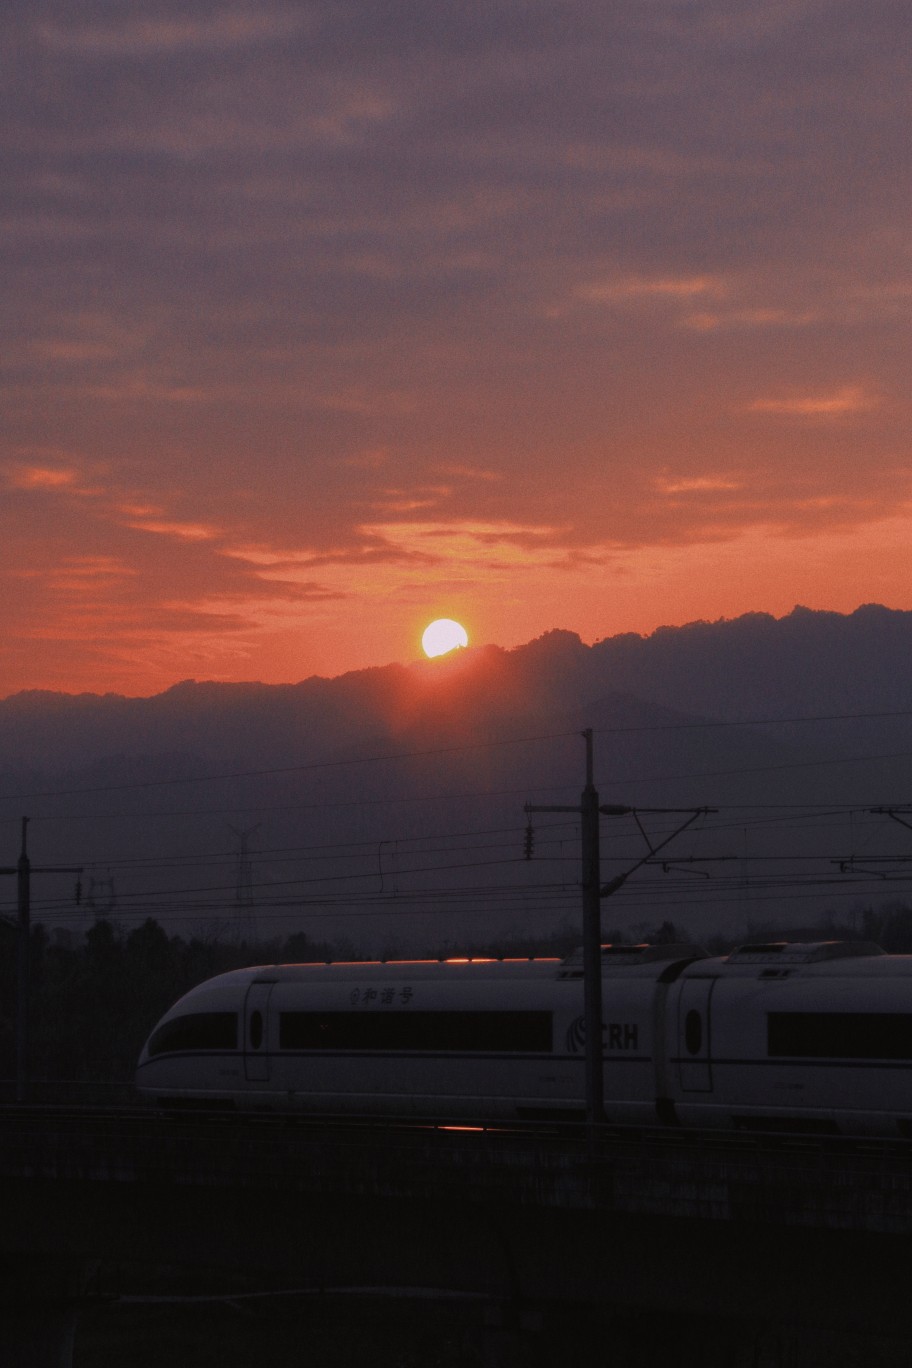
x,y
590,881
23,967
592,942
593,891
24,870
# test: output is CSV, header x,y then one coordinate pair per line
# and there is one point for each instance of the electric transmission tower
x,y
243,887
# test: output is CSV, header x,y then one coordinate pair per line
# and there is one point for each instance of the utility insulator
x,y
529,843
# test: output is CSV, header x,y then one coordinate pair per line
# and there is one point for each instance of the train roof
x,y
802,952
650,960
358,970
768,959
814,959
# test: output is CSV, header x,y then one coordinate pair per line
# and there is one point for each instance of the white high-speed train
x,y
782,1036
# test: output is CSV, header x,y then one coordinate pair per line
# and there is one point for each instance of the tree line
x,y
94,1001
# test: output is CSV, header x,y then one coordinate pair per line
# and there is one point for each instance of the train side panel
x,y
414,1047
827,1050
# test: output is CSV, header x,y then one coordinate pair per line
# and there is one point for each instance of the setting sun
x,y
443,635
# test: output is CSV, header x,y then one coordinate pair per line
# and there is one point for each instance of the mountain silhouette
x,y
388,804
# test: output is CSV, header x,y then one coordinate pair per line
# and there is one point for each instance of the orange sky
x,y
324,322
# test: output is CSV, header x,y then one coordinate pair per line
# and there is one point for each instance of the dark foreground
x,y
340,1332
283,1333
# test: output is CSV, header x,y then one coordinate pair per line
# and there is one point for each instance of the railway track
x,y
139,1116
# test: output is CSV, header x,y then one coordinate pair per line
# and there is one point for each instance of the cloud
x,y
368,546
376,300
393,503
74,351
471,473
150,35
132,388
481,548
84,574
372,458
771,317
696,484
52,479
395,557
836,404
42,477
633,288
186,531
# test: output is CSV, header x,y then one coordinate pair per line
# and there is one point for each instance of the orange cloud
x,y
51,479
482,550
81,574
470,472
42,477
698,484
371,458
709,321
650,287
186,531
850,399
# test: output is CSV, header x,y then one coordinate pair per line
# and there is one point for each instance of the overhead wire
x,y
307,766
488,743
763,815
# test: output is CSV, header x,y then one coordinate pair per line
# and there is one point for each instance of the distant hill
x,y
388,800
760,666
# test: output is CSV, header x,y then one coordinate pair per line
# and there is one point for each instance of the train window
x,y
693,1032
431,1032
197,1031
839,1035
256,1030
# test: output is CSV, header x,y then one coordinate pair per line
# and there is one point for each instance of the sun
x,y
443,635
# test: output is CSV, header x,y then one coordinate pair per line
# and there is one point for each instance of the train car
x,y
779,1037
804,1037
461,1038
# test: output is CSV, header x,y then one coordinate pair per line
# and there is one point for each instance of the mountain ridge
x,y
329,777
